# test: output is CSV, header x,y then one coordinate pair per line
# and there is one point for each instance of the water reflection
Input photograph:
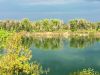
x,y
43,43
48,43
58,42
82,41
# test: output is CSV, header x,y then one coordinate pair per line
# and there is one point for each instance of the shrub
x,y
88,71
80,24
26,25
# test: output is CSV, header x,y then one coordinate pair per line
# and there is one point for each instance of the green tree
x,y
26,25
80,24
73,25
98,26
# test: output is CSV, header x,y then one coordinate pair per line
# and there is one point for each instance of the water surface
x,y
63,56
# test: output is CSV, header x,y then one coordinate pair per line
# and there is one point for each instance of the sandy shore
x,y
61,34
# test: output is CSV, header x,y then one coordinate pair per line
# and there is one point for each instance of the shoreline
x,y
61,34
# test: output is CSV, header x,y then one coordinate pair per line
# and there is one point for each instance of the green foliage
x,y
48,25
82,24
98,26
79,24
73,25
9,25
26,25
16,59
88,71
3,36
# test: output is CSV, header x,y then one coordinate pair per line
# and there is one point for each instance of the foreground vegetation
x,y
88,71
16,57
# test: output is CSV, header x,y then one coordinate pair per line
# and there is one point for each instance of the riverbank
x,y
65,34
61,34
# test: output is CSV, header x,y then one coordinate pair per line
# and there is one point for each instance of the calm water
x,y
64,56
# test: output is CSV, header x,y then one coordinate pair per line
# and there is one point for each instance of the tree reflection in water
x,y
58,42
82,41
44,43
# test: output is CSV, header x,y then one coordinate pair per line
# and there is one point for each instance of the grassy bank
x,y
62,34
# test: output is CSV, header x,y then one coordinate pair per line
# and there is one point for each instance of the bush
x,y
26,25
79,24
88,71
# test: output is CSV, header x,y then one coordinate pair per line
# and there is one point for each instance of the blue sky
x,y
48,5
49,8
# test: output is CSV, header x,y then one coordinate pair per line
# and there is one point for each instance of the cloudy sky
x,y
50,8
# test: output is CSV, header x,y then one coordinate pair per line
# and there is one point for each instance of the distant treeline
x,y
48,25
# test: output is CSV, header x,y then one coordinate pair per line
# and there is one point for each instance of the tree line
x,y
48,25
